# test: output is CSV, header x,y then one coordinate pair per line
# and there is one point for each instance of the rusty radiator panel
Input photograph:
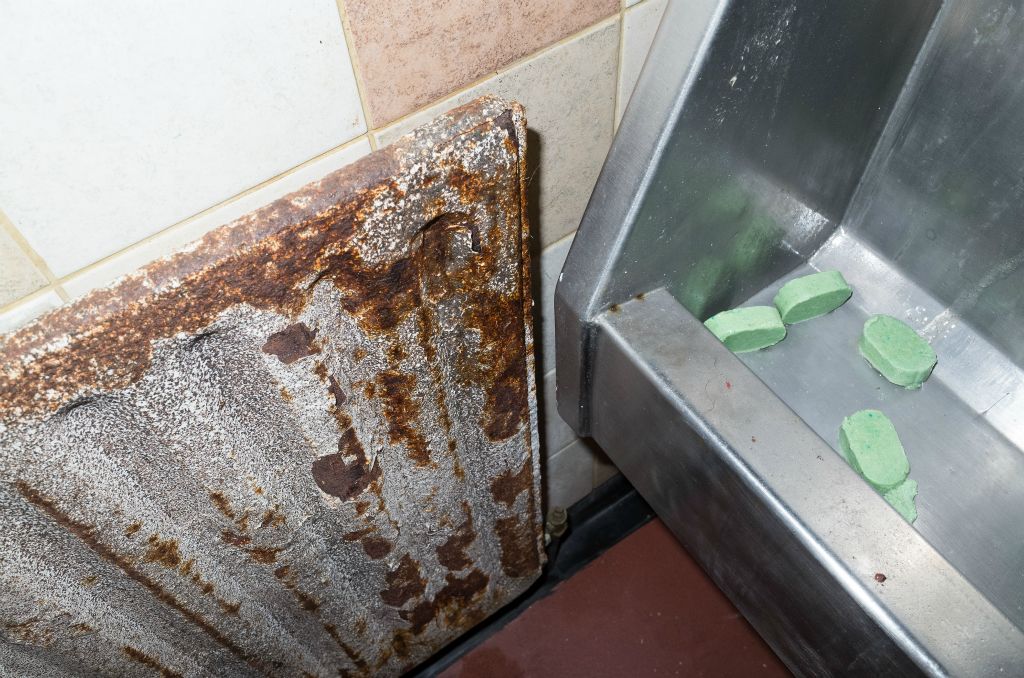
x,y
304,446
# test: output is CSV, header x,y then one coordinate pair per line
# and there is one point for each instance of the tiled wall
x,y
129,131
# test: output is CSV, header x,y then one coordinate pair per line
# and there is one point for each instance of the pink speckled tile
x,y
410,52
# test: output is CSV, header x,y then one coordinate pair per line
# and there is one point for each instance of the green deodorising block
x,y
897,351
812,295
747,329
902,499
872,447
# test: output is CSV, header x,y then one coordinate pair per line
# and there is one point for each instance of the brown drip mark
x,y
507,486
86,534
292,343
132,529
261,554
376,547
222,504
288,580
149,662
273,518
452,603
30,631
353,656
340,478
162,551
403,583
396,390
452,553
334,388
519,556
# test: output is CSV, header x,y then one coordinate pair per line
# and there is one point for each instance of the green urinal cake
x,y
902,499
749,328
872,447
897,351
811,296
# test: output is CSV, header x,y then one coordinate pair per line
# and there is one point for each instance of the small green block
x,y
747,329
811,296
897,351
872,447
902,498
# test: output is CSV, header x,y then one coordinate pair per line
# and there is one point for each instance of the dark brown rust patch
x,y
396,391
30,631
222,504
273,518
234,539
344,480
149,662
264,555
379,296
452,603
86,534
452,553
376,547
162,551
396,353
334,388
132,529
356,535
361,507
292,343
519,555
353,656
403,583
507,486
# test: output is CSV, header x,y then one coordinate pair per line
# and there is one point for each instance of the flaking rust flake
x,y
305,445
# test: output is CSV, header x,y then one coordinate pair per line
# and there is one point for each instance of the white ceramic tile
x,y
568,92
30,309
119,119
569,475
173,239
557,434
551,261
604,469
630,3
18,275
638,29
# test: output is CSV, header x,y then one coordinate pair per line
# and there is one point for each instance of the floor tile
x,y
408,56
18,275
644,608
568,93
116,128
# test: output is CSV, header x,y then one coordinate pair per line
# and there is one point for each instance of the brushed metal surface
x,y
306,445
880,139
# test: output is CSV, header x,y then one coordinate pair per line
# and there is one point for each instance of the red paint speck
x,y
728,385
880,578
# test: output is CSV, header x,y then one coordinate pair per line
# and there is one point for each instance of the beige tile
x,y
551,261
165,243
410,53
27,310
638,29
18,275
604,468
120,119
568,92
557,434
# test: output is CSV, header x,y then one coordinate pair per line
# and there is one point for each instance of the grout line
x,y
346,35
223,203
41,266
618,67
42,291
603,23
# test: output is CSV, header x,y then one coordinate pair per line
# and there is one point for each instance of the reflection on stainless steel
x,y
880,139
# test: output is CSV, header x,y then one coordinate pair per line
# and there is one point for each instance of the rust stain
x,y
507,486
292,343
356,535
233,538
453,603
403,583
376,547
273,518
223,505
342,479
82,628
86,535
334,388
452,553
132,529
89,581
287,578
519,556
353,656
286,395
162,551
397,390
149,662
30,631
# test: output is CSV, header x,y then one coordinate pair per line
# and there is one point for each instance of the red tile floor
x,y
643,608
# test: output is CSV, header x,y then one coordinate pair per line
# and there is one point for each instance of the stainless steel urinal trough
x,y
883,139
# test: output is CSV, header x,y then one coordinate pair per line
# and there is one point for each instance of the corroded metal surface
x,y
304,446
